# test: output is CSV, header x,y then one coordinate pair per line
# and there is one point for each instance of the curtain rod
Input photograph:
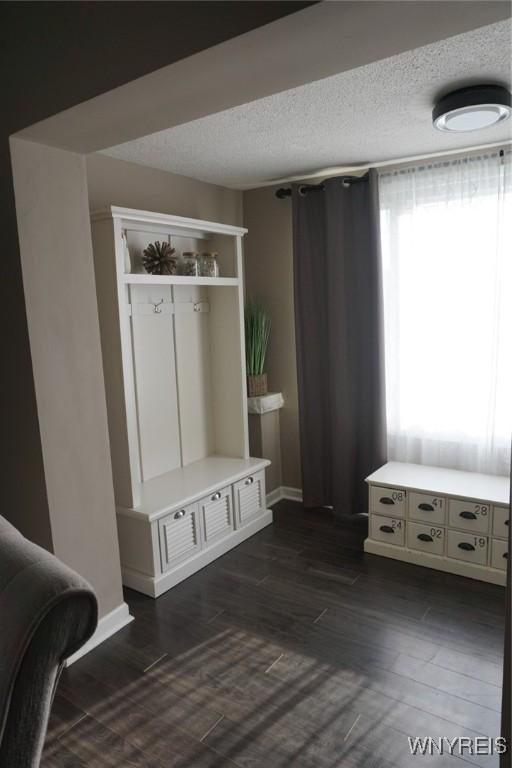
x,y
304,189
335,171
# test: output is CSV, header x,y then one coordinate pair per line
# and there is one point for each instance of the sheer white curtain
x,y
446,235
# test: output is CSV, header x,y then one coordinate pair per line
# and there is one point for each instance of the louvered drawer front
x,y
425,538
180,536
469,515
428,509
501,522
387,501
217,515
499,554
467,546
387,529
249,497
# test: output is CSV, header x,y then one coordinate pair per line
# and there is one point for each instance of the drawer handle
x,y
216,496
505,555
179,514
468,516
507,522
425,537
386,500
426,507
467,546
387,529
249,480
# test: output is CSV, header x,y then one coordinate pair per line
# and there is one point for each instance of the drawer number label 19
x,y
480,541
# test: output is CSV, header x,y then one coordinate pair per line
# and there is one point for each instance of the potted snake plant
x,y
257,335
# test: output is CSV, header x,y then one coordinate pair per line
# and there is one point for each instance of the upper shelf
x,y
139,279
166,222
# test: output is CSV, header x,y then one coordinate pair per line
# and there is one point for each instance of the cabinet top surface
x,y
134,216
452,482
187,484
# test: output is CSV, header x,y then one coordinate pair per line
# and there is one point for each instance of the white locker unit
x,y
440,518
174,363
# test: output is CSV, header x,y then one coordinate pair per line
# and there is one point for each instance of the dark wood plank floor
x,y
294,650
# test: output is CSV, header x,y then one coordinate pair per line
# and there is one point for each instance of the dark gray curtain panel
x,y
340,340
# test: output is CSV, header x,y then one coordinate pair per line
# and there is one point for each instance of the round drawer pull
x,y
216,496
467,515
425,537
180,513
387,529
386,500
426,507
466,546
249,480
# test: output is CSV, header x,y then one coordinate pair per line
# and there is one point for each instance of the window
x,y
446,234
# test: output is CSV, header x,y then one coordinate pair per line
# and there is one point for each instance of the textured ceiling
x,y
377,112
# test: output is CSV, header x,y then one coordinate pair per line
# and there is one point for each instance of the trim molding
x,y
108,625
284,492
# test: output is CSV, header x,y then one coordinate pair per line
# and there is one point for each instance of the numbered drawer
x,y
387,501
499,554
180,536
217,515
501,522
467,546
430,509
426,538
249,497
469,515
389,529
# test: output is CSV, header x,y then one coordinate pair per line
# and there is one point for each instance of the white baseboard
x,y
108,625
284,492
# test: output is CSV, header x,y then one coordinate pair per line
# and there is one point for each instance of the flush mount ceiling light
x,y
470,109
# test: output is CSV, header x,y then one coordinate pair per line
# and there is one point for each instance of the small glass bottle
x,y
209,264
190,264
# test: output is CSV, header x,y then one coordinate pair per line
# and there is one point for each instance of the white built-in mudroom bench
x,y
440,518
173,351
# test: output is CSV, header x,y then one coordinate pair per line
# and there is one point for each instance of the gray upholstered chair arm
x,y
47,612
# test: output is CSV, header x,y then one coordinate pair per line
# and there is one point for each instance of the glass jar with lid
x,y
190,264
209,264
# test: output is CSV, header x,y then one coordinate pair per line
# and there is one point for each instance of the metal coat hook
x,y
156,307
